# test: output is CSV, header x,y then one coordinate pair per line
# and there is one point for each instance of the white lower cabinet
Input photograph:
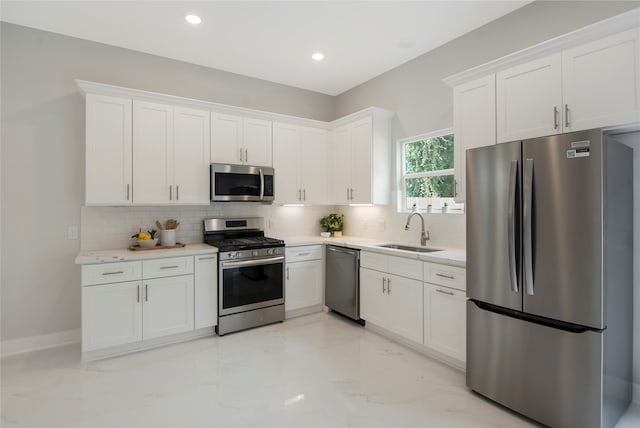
x,y
303,277
392,302
445,320
111,315
206,291
128,303
168,306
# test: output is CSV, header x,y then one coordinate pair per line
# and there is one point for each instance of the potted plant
x,y
333,223
445,207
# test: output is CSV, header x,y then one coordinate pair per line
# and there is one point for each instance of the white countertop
x,y
106,256
449,256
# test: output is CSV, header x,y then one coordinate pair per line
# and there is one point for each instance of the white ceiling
x,y
270,40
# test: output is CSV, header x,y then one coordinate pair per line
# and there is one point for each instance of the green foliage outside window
x,y
432,154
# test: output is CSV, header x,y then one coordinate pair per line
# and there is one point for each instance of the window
x,y
427,171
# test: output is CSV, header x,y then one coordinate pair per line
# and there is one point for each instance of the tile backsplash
x,y
104,228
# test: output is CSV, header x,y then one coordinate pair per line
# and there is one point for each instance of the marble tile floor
x,y
314,371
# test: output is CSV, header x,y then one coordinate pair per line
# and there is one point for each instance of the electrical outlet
x,y
72,232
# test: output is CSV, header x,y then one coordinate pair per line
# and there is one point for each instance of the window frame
x,y
402,177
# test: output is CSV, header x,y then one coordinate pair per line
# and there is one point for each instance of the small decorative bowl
x,y
325,234
146,243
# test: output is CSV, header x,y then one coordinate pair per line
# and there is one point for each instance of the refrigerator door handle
x,y
528,225
513,174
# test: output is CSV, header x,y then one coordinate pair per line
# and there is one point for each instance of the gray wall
x,y
43,156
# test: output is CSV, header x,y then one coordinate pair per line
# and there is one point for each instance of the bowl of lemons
x,y
146,239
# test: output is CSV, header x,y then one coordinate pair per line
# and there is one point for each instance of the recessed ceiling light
x,y
193,19
318,56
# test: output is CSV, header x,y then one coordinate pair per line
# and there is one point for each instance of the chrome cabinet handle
x,y
240,155
299,194
511,224
566,115
207,258
127,191
555,117
304,194
287,273
384,285
146,292
169,267
119,272
138,286
177,193
303,254
388,285
170,192
450,293
528,225
351,193
441,275
347,193
246,155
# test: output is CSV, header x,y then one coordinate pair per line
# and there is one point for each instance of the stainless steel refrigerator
x,y
550,277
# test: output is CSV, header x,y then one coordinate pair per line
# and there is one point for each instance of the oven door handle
x,y
255,262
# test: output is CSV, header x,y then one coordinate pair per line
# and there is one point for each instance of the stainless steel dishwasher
x,y
342,281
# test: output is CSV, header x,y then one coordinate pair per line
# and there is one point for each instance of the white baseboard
x,y
36,343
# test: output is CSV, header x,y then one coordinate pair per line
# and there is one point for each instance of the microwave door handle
x,y
261,184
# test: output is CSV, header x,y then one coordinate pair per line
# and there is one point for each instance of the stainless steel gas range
x,y
250,273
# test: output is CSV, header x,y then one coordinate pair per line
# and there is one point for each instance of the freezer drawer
x,y
550,375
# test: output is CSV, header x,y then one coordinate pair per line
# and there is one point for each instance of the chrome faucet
x,y
424,236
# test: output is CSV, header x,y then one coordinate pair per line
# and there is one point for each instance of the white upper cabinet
x,y
238,140
300,161
529,100
170,154
191,156
361,160
152,152
601,82
593,85
474,123
108,151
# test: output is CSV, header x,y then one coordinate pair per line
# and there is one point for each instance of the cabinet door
x,y
152,153
529,100
191,155
341,165
168,306
258,142
286,141
108,151
314,172
474,122
361,162
601,82
226,138
405,302
111,315
206,291
445,320
374,305
303,284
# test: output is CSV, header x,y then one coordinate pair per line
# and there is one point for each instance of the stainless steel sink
x,y
409,248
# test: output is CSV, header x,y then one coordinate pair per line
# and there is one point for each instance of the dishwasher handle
x,y
344,250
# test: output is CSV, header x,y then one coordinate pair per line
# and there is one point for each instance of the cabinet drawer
x,y
449,276
300,254
160,268
111,272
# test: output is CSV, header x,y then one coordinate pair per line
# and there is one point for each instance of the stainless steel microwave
x,y
241,183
